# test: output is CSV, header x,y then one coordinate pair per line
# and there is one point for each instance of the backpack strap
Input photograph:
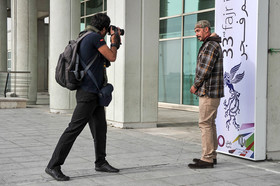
x,y
83,34
80,75
86,70
90,73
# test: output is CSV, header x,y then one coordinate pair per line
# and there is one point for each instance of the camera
x,y
115,29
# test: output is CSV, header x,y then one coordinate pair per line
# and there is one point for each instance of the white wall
x,y
273,88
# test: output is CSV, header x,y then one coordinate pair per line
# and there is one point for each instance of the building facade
x,y
178,45
156,62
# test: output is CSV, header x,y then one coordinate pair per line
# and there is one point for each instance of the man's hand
x,y
115,38
193,90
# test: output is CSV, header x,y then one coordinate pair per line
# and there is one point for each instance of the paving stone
x,y
189,179
155,156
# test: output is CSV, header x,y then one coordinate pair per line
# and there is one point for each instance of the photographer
x,y
88,109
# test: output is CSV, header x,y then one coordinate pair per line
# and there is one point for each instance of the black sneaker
x,y
197,160
201,165
57,174
106,167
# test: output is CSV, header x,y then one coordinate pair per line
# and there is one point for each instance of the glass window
x,y
189,23
88,20
83,25
89,8
170,28
94,6
9,61
191,47
195,5
176,14
170,7
9,55
82,9
191,20
170,71
105,5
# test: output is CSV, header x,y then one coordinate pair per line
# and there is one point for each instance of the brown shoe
x,y
201,165
197,160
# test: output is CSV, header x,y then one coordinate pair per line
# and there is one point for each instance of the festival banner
x,y
236,22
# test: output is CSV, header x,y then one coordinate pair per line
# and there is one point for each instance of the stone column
x,y
46,58
3,35
41,56
64,25
24,45
135,72
273,85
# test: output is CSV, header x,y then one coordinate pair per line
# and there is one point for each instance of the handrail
x,y
8,75
26,72
6,85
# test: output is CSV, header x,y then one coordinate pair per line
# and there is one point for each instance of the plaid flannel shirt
x,y
209,79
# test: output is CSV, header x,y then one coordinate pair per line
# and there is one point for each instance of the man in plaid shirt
x,y
209,87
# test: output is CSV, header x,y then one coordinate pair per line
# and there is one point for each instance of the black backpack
x,y
68,72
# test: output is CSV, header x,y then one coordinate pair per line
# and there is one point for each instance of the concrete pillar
x,y
24,44
41,56
46,58
3,35
64,25
135,72
273,106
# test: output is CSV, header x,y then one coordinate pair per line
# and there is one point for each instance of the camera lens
x,y
115,29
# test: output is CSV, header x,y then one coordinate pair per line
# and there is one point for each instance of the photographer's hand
x,y
112,32
115,38
111,53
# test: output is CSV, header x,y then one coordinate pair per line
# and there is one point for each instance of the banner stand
x,y
241,119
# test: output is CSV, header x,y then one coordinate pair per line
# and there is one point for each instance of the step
x,y
12,102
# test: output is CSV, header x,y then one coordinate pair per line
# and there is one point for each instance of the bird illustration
x,y
230,78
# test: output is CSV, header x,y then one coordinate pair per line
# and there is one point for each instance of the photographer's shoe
x,y
201,165
197,160
57,174
106,167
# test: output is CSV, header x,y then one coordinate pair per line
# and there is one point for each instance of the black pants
x,y
86,111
